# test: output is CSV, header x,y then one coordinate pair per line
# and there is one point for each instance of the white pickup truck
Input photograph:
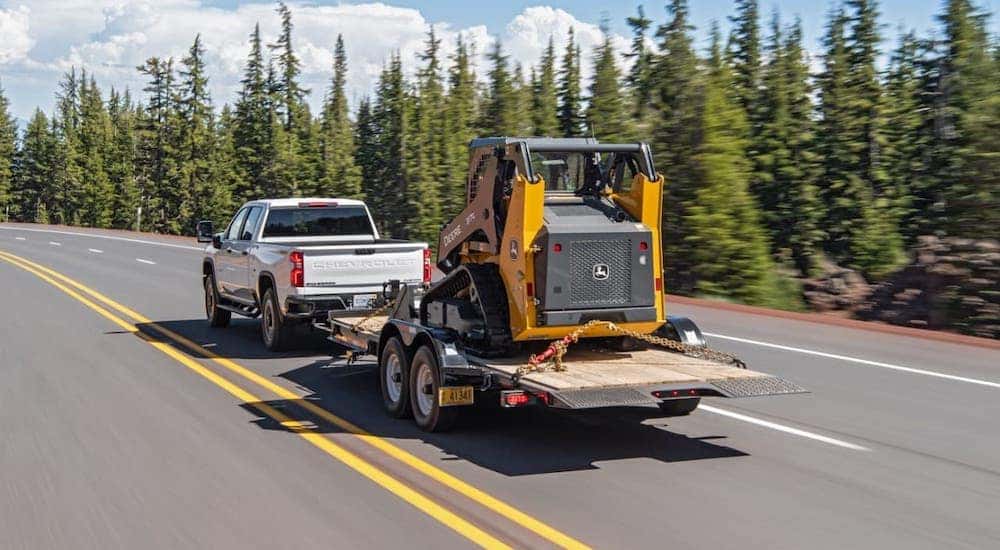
x,y
291,261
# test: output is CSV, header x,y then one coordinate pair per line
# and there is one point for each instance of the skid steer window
x,y
567,172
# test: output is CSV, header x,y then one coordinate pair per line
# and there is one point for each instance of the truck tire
x,y
394,379
217,317
425,379
273,330
679,407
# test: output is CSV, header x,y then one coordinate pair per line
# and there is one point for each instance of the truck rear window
x,y
317,222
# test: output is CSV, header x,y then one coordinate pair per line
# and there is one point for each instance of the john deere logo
x,y
601,271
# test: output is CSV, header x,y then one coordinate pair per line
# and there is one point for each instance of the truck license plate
x,y
362,301
455,395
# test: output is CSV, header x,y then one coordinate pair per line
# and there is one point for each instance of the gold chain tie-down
x,y
551,358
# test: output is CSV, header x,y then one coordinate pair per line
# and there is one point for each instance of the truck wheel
x,y
273,329
425,379
679,407
394,379
217,317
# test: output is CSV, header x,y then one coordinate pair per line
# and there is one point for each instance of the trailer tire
x,y
425,379
679,407
217,317
394,379
274,331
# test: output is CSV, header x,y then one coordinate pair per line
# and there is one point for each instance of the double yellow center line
x,y
90,297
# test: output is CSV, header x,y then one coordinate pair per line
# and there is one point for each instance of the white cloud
x,y
109,38
16,40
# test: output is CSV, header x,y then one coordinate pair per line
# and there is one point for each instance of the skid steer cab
x,y
552,295
567,231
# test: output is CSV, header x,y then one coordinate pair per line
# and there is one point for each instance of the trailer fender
x,y
683,330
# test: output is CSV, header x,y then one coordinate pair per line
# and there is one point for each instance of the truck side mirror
x,y
204,231
217,240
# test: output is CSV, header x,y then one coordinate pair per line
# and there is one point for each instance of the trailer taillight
x,y
557,247
298,274
520,398
643,246
427,265
514,398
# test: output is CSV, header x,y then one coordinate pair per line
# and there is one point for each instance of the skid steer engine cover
x,y
594,262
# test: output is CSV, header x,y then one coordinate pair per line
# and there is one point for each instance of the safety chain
x,y
551,358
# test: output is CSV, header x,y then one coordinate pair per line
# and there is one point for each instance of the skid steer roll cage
x,y
494,164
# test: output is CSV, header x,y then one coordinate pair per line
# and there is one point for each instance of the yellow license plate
x,y
455,395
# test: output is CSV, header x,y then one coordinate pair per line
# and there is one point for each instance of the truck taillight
x,y
427,265
298,273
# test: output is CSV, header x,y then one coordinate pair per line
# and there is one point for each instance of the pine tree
x,y
786,166
196,136
729,247
121,160
905,136
34,183
8,147
291,100
161,195
428,146
225,173
392,116
96,189
296,161
339,175
607,115
875,244
639,78
744,55
522,102
677,99
66,173
967,165
544,101
366,137
253,135
460,113
499,116
570,98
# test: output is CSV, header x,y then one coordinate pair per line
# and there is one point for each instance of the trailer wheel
x,y
679,407
217,317
273,329
394,379
425,379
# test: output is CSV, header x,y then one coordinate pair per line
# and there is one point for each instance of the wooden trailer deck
x,y
595,376
592,368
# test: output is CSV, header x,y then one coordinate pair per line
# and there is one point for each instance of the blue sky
x,y
41,39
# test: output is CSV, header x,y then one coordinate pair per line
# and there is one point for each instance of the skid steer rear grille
x,y
601,273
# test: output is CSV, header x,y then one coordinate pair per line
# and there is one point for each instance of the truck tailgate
x,y
604,378
362,265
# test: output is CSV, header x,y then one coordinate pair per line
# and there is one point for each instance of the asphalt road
x,y
115,436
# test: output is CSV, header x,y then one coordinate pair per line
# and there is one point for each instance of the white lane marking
x,y
861,361
96,251
783,428
150,262
110,237
53,243
20,238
